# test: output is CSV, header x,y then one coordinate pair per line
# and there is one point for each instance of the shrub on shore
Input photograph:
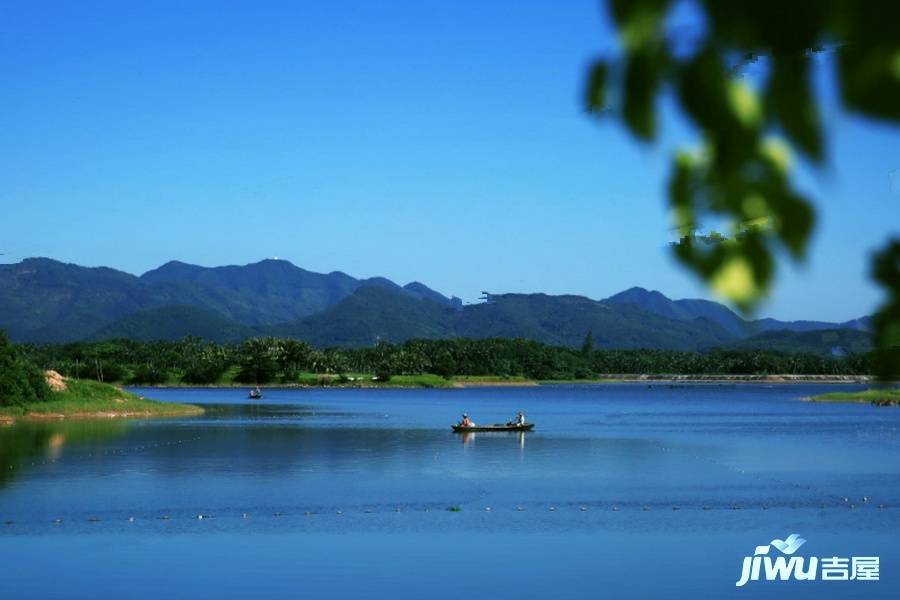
x,y
21,382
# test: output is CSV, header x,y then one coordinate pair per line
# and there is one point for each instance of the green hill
x,y
688,309
829,342
370,314
43,300
376,313
173,323
564,320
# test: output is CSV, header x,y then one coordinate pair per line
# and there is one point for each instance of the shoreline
x,y
775,378
105,414
98,415
611,378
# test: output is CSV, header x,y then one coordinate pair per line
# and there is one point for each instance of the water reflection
x,y
468,437
25,443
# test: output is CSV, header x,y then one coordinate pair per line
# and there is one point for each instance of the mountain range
x,y
43,300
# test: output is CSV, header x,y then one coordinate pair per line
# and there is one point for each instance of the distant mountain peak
x,y
637,293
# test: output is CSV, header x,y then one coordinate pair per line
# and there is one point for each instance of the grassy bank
x,y
878,397
90,399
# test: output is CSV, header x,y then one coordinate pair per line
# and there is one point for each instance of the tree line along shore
x,y
90,367
193,361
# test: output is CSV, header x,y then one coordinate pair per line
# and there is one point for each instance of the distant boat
x,y
497,427
255,394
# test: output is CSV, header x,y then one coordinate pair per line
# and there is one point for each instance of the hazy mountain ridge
x,y
43,300
686,309
372,314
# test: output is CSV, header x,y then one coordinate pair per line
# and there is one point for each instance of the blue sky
x,y
438,141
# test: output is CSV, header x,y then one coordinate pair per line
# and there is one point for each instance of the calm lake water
x,y
623,490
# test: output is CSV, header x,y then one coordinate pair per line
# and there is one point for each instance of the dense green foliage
x,y
264,360
20,381
749,126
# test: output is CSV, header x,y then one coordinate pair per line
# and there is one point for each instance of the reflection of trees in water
x,y
23,443
255,441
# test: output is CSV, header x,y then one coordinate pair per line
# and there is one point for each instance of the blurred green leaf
x,y
741,176
869,56
870,81
792,104
642,72
705,93
595,97
886,321
794,221
638,20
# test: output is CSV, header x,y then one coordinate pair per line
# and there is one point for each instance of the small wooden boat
x,y
497,427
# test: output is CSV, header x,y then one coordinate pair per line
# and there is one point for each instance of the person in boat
x,y
466,422
519,419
